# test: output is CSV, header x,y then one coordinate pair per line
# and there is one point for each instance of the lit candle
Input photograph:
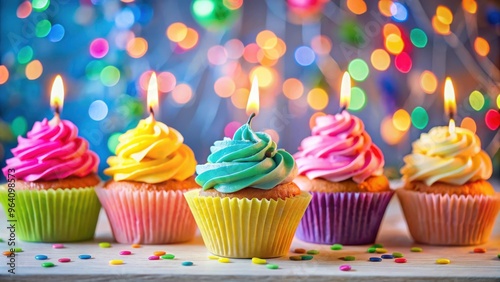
x,y
345,92
253,99
450,106
57,99
152,97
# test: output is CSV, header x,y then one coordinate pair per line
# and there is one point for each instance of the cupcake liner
x,y
148,217
449,220
349,218
246,228
54,215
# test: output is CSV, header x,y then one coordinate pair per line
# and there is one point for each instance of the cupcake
x,y
343,171
446,198
248,205
144,200
53,191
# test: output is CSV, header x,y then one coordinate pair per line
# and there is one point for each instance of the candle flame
x,y
152,99
345,91
450,106
253,98
57,94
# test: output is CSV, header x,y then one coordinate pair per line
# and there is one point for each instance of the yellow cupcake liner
x,y
244,228
53,215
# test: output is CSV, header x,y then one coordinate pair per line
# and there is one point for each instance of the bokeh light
x,y
93,69
389,133
4,74
440,27
469,123
234,49
274,135
444,15
232,4
56,33
293,88
358,99
177,31
265,75
394,44
110,76
42,28
312,119
190,40
217,55
24,10
428,82
481,46
304,56
19,126
498,95
358,69
166,81
492,119
33,70
321,44
113,142
476,100
250,53
25,55
231,128
266,39
203,8
418,38
240,98
419,117
401,120
98,110
99,48
403,62
224,87
390,28
380,59
317,99
399,12
182,93
137,47
124,19
470,6
384,6
357,7
40,5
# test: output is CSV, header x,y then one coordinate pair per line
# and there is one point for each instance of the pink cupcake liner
x,y
449,220
349,218
148,217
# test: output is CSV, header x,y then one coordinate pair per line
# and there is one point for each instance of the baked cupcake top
x,y
339,149
151,153
51,151
249,159
439,156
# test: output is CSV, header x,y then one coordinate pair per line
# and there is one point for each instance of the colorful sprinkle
x,y
443,261
375,259
187,263
224,260
135,246
380,250
416,249
387,256
372,250
41,257
400,260
258,261
84,256
306,257
116,262
159,253
349,258
312,252
272,266
125,253
479,250
377,246
7,253
299,251
397,255
104,245
295,258
18,250
48,264
168,256
345,267
213,257
336,247
57,246
64,260
153,257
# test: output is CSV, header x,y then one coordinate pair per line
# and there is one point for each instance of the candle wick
x,y
57,110
151,111
250,118
342,109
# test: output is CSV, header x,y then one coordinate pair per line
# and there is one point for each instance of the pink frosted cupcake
x,y
151,170
343,170
447,199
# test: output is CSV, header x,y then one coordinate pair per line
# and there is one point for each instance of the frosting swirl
x,y
449,158
339,149
152,153
249,159
52,150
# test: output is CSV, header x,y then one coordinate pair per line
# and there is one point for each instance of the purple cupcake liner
x,y
349,218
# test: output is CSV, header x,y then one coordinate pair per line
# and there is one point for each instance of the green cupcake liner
x,y
53,215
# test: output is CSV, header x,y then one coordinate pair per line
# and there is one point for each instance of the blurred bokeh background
x,y
205,53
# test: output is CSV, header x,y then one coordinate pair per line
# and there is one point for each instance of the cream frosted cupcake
x,y
447,199
52,178
248,205
144,201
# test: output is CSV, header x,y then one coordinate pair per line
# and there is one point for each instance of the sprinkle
x,y
442,261
295,258
41,257
187,263
387,256
299,251
479,250
336,247
104,245
213,257
349,258
18,250
168,256
372,250
345,267
377,246
135,246
272,266
397,255
416,249
64,260
306,257
400,260
312,252
159,253
224,260
47,264
116,262
153,257
380,250
84,256
57,246
258,261
375,259
7,253
125,253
